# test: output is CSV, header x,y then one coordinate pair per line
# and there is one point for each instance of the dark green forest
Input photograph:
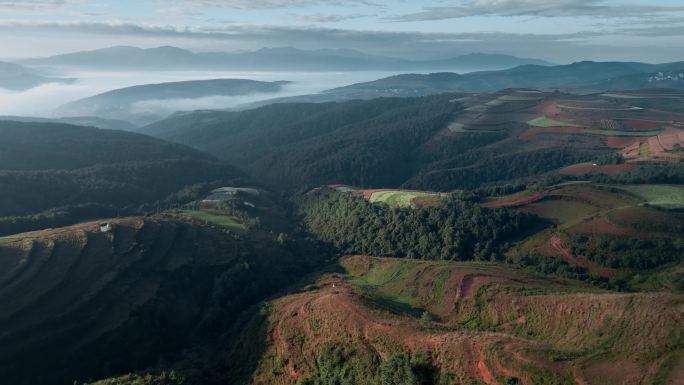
x,y
385,142
55,174
459,229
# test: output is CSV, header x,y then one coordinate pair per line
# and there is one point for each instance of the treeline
x,y
476,168
338,366
53,175
459,229
631,253
665,173
39,199
52,146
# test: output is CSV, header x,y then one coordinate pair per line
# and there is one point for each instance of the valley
x,y
522,224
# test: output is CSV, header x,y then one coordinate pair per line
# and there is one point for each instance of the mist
x,y
42,101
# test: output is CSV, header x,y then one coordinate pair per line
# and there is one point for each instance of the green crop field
x,y
623,133
665,196
456,127
221,220
400,198
543,121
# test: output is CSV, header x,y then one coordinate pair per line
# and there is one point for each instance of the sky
x,y
560,31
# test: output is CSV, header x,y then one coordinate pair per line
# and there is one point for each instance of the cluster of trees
x,y
667,173
458,229
339,366
632,253
611,158
478,167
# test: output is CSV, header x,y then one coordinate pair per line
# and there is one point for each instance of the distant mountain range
x,y
581,75
141,104
18,78
272,59
86,121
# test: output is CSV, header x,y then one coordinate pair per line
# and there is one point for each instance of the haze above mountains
x,y
270,59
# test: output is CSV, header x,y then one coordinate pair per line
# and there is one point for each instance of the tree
x,y
397,370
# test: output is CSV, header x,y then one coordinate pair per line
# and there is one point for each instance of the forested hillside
x,y
457,229
55,174
386,142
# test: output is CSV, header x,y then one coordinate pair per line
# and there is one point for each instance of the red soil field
x,y
640,124
622,141
589,168
599,226
532,132
670,137
514,201
547,107
559,247
632,151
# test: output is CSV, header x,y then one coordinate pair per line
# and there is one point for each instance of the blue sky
x,y
560,30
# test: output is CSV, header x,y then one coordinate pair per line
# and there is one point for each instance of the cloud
x,y
329,18
599,43
538,8
31,5
267,4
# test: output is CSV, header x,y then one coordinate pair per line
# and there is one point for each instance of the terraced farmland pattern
x,y
476,323
148,286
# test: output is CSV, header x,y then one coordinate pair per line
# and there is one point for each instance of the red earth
x,y
532,132
589,168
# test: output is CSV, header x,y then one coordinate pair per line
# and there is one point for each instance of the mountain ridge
x,y
281,58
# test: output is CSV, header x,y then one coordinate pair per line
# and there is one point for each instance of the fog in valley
x,y
43,100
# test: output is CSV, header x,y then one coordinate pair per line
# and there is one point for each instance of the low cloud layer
x,y
30,5
43,100
540,8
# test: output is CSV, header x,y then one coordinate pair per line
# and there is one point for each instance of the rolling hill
x,y
18,78
52,174
147,103
579,76
438,143
88,121
272,59
80,303
456,323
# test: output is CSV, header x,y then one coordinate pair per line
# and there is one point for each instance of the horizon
x,y
562,32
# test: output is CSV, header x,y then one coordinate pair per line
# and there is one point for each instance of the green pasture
x,y
400,198
543,121
659,195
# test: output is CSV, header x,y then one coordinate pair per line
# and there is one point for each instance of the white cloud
x,y
31,5
267,4
541,8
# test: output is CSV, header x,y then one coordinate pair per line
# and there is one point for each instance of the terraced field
x,y
604,213
480,324
79,303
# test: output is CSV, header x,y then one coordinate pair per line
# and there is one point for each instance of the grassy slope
x,y
488,324
401,198
546,122
665,196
